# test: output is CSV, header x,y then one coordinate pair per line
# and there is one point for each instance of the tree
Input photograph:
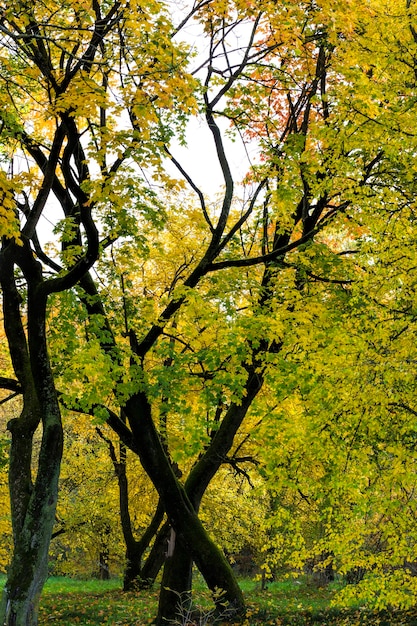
x,y
350,468
94,97
57,60
344,481
291,197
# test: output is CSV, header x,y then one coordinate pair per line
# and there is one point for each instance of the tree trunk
x,y
104,554
180,510
103,565
139,575
156,557
29,567
184,520
33,504
175,594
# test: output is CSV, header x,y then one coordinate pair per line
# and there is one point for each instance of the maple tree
x,y
238,391
92,99
57,85
343,484
89,524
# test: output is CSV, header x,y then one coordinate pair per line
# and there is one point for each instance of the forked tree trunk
x,y
139,574
189,531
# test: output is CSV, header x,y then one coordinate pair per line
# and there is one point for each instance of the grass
x,y
67,602
70,602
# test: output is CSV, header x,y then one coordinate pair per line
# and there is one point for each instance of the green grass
x,y
68,602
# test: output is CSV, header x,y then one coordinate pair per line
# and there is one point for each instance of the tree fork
x,y
188,528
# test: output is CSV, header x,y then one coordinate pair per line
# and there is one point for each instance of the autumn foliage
x,y
208,277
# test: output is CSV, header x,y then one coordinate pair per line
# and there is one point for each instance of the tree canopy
x,y
182,316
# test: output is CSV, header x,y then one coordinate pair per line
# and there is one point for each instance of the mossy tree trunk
x,y
189,531
33,502
176,585
177,577
155,559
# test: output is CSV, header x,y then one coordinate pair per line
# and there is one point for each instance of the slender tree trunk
x,y
137,575
103,565
156,558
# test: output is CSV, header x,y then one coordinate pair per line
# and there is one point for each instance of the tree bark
x,y
156,558
188,528
175,594
33,504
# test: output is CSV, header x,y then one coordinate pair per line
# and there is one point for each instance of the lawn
x,y
69,602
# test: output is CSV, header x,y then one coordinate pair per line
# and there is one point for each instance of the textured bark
x,y
175,594
33,503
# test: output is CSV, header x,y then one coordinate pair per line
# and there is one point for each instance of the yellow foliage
x,y
9,224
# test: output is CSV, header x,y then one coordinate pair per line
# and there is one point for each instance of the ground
x,y
69,602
